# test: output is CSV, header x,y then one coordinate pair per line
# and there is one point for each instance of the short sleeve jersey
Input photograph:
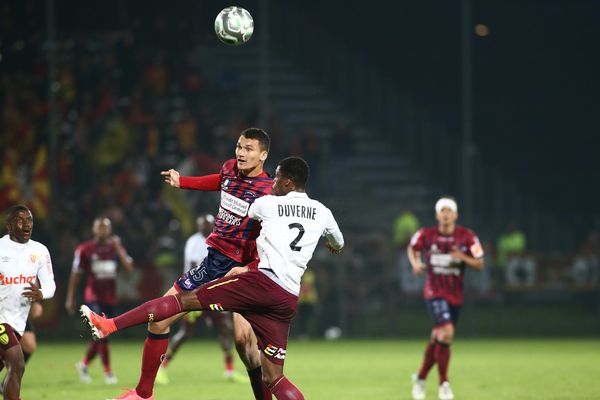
x,y
235,234
99,261
445,274
20,265
291,228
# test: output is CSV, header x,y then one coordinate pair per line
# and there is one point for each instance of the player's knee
x,y
446,333
17,367
159,328
242,337
267,379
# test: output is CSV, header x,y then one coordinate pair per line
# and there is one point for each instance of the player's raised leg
x,y
159,313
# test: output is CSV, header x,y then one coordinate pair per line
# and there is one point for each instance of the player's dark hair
x,y
263,138
11,212
295,169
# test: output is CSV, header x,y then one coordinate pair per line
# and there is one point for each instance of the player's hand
x,y
33,292
116,240
237,270
171,177
419,268
332,249
457,254
70,306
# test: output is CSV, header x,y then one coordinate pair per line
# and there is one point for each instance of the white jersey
x,y
20,265
195,251
291,228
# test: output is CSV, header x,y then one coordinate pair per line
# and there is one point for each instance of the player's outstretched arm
x,y
171,177
206,182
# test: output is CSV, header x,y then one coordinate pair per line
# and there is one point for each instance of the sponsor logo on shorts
x,y
187,284
217,307
274,351
4,339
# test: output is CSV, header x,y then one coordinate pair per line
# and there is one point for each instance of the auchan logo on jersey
x,y
16,280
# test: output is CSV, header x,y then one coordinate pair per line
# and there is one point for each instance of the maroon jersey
x,y
235,234
445,274
99,261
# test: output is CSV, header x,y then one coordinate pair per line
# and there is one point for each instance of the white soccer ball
x,y
333,333
234,26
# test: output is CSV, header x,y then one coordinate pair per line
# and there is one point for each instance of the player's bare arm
x,y
171,177
36,310
73,284
238,270
475,263
125,258
415,261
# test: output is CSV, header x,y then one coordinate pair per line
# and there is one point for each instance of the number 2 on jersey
x,y
294,242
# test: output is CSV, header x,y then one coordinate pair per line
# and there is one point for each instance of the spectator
x,y
405,225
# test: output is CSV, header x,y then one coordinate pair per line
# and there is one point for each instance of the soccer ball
x,y
333,333
234,26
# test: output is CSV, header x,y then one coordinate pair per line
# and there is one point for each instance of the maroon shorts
x,y
8,337
267,306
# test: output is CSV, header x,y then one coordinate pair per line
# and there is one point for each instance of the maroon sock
x,y
155,347
442,356
259,388
151,311
92,350
104,351
228,362
428,360
283,389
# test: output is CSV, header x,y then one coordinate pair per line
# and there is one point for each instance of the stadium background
x,y
392,104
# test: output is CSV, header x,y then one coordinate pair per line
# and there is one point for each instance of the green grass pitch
x,y
369,369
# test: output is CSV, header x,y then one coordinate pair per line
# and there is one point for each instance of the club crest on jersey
x,y
225,184
33,258
274,351
4,339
